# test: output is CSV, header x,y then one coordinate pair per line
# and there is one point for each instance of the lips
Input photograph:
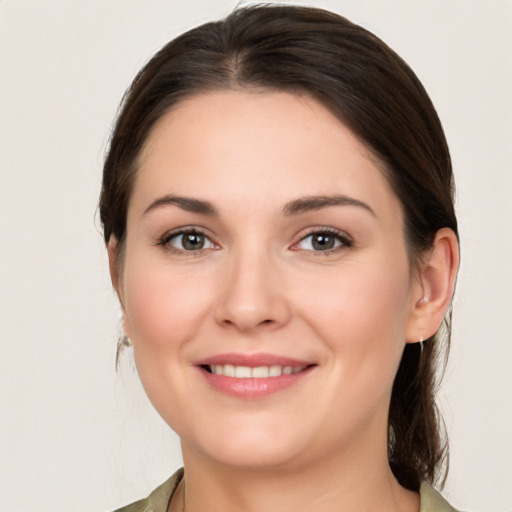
x,y
254,375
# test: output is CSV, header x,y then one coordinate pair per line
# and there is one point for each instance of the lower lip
x,y
253,388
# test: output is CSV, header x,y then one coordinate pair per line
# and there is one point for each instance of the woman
x,y
277,205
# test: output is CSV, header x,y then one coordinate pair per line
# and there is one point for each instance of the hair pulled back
x,y
375,94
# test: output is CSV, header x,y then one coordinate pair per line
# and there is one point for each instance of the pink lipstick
x,y
253,376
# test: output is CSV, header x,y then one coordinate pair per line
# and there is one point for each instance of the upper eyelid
x,y
184,230
343,235
164,240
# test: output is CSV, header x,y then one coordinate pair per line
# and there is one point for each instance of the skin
x,y
258,285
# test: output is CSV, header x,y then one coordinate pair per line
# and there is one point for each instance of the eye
x,y
188,241
323,241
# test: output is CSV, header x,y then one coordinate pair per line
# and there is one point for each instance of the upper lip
x,y
252,360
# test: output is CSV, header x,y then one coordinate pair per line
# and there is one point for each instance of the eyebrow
x,y
185,203
295,207
312,203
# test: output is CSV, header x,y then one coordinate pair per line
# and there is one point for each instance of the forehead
x,y
249,144
249,115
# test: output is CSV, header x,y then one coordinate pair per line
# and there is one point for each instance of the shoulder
x,y
159,499
432,501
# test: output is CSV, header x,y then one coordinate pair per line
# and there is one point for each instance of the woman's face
x,y
265,281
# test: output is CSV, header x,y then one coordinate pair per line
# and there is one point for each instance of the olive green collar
x,y
159,499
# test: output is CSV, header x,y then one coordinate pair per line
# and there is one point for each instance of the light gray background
x,y
76,436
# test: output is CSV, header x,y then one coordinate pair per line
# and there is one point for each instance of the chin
x,y
255,449
255,458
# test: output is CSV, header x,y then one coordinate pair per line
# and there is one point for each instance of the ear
x,y
113,263
436,284
116,277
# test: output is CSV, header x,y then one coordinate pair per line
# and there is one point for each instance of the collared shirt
x,y
159,499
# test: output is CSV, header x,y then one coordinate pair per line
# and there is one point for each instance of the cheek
x,y
163,307
164,312
361,313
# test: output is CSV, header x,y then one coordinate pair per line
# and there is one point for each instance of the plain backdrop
x,y
75,435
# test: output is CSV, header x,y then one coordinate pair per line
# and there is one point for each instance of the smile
x,y
246,372
253,376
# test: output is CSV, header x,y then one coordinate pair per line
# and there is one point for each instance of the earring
x,y
127,342
421,344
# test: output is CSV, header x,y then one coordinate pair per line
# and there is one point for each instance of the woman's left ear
x,y
435,286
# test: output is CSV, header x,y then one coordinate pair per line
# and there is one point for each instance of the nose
x,y
253,294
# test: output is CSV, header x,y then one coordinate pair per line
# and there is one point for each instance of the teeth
x,y
242,372
260,372
229,370
275,371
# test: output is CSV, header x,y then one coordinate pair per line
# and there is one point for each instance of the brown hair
x,y
374,93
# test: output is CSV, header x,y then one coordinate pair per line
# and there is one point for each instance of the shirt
x,y
159,499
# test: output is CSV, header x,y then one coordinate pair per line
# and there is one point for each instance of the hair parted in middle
x,y
371,90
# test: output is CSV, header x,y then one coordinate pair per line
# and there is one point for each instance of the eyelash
x,y
165,240
345,241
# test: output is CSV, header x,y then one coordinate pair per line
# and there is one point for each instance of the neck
x,y
339,483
